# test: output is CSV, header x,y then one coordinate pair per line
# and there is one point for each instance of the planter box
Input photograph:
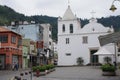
x,y
106,73
41,74
51,70
47,71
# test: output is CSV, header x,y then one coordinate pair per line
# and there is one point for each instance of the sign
x,y
110,38
40,44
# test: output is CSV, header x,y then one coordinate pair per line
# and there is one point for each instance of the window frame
x,y
4,38
67,40
63,28
13,39
68,54
71,28
85,39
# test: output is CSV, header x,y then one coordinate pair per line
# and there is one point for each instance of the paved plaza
x,y
64,73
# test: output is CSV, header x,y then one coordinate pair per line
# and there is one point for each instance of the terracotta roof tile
x,y
3,29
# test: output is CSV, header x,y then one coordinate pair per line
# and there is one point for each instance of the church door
x,y
94,59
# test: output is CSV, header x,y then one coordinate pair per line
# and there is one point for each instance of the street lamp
x,y
113,8
30,58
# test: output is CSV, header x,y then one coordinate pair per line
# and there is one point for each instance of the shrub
x,y
50,66
40,68
108,68
80,61
34,68
47,67
107,59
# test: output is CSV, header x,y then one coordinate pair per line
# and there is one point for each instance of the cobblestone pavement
x,y
64,73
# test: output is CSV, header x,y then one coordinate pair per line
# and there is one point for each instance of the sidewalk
x,y
79,73
7,74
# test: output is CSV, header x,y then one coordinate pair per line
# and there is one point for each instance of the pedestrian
x,y
13,67
16,66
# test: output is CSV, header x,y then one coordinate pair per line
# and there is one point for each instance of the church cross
x,y
93,13
68,2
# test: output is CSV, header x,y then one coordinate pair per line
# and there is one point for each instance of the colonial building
x,y
11,48
41,34
29,52
75,41
47,42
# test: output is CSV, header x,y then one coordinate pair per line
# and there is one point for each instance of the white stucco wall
x,y
76,47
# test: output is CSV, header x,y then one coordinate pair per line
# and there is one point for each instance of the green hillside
x,y
7,15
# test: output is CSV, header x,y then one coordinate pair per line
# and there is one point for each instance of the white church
x,y
75,41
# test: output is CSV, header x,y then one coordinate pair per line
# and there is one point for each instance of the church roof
x,y
68,15
94,26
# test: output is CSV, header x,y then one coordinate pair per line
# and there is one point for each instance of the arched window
x,y
63,28
71,28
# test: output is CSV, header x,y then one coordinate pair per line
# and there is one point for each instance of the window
x,y
71,28
21,27
68,54
85,39
50,36
19,42
118,49
49,43
3,38
50,29
63,28
67,40
13,39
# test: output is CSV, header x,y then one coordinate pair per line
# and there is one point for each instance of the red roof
x,y
3,29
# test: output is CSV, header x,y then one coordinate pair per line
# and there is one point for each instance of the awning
x,y
103,52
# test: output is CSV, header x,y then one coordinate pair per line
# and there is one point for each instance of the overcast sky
x,y
55,8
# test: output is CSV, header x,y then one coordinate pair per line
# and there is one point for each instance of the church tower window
x,y
85,39
71,28
63,28
67,40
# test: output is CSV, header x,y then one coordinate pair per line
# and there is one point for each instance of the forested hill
x,y
7,15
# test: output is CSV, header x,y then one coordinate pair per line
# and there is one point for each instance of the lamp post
x,y
113,8
30,59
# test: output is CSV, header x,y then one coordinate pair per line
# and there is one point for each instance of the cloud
x,y
81,8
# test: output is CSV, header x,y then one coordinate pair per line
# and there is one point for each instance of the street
x,y
64,73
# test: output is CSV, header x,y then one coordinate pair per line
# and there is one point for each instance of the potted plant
x,y
39,70
107,59
108,70
80,61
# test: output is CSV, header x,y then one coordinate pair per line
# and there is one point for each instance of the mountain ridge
x,y
7,15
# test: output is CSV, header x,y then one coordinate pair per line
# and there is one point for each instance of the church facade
x,y
75,41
